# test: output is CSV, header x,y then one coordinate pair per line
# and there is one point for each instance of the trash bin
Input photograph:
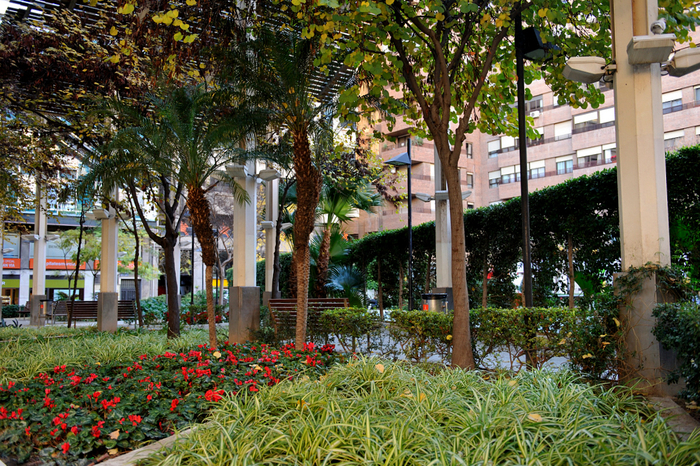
x,y
434,302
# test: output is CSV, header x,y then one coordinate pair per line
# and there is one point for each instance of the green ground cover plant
x,y
76,411
377,412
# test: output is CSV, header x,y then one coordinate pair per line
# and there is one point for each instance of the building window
x,y
494,147
401,142
562,130
673,139
534,105
587,120
610,153
564,165
470,205
538,140
508,143
494,178
470,180
536,169
470,154
697,93
672,101
588,157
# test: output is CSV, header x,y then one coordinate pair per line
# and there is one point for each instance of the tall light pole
x,y
404,159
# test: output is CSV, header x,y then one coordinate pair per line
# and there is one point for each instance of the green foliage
x,y
154,309
11,310
678,328
349,325
421,334
377,412
286,265
81,411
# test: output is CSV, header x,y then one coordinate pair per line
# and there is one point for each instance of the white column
x,y
25,276
641,169
244,233
108,257
39,276
198,278
88,285
178,263
271,210
443,237
641,181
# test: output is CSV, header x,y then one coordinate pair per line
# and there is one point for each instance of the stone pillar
x,y
244,313
271,210
177,252
641,181
108,298
88,286
443,238
25,277
36,316
198,278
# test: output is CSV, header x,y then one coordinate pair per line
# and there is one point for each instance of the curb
x,y
130,458
680,422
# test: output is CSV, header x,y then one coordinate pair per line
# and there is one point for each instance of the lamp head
x,y
586,70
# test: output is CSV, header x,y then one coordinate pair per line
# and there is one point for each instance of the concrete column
x,y
271,210
178,264
443,238
108,296
641,176
198,279
244,233
25,277
88,286
244,313
39,272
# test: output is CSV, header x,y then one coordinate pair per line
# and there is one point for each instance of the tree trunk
x,y
322,264
572,282
485,286
462,355
171,288
308,191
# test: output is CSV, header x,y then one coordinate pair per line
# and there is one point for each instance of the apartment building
x,y
572,142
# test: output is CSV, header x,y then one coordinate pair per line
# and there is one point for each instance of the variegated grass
x,y
377,412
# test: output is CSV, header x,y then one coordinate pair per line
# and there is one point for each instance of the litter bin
x,y
434,302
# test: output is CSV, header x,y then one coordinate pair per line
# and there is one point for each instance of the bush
x,y
678,328
348,325
11,310
421,334
196,314
154,309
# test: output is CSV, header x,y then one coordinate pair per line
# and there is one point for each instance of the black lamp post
x,y
191,230
404,159
528,44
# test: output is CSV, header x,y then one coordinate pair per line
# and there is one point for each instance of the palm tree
x,y
187,138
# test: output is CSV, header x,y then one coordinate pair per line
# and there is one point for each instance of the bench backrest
x,y
284,311
88,309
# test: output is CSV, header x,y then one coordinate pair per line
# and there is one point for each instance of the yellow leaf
x,y
389,2
512,383
586,356
173,13
178,36
191,2
617,322
440,17
380,368
202,66
113,31
157,19
113,451
190,38
563,341
486,18
114,435
534,417
128,9
542,12
184,26
216,354
177,22
301,404
167,20
115,58
120,10
93,2
421,397
448,337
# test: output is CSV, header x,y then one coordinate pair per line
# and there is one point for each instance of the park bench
x,y
283,312
87,310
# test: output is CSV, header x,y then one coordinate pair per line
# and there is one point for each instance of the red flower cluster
x,y
212,395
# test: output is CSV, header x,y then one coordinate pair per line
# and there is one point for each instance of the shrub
x,y
11,310
678,328
154,309
421,334
196,314
348,325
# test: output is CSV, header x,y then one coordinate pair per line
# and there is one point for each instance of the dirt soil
x,y
692,408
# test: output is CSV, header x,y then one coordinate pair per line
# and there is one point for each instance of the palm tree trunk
x,y
171,289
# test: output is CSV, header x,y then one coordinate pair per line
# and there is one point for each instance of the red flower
x,y
27,430
212,395
96,431
65,447
253,389
149,397
173,404
74,429
134,419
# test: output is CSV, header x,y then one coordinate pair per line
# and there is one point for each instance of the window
x,y
672,101
470,154
470,205
610,153
508,175
534,105
607,115
697,93
494,147
539,139
494,178
564,164
586,120
508,143
562,130
673,139
536,169
588,157
401,142
470,180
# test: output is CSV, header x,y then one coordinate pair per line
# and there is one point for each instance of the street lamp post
x,y
404,159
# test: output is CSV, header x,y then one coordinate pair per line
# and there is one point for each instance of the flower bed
x,y
71,413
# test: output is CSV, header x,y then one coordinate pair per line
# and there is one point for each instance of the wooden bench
x,y
87,310
283,312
